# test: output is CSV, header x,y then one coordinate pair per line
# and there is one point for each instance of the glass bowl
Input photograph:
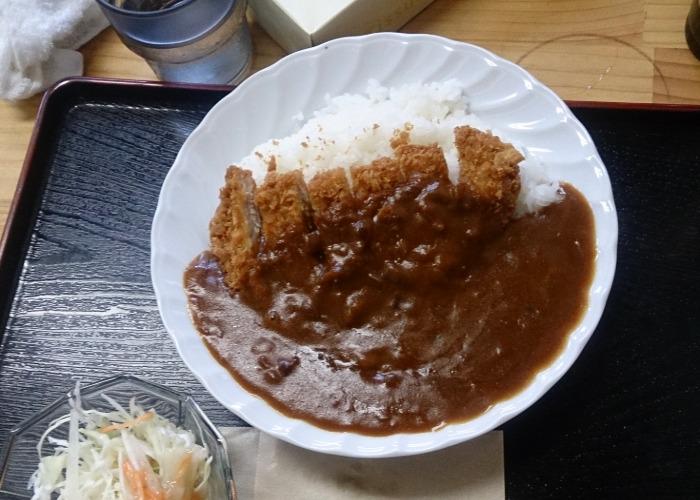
x,y
20,457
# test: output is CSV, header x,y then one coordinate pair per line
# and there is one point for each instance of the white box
x,y
298,24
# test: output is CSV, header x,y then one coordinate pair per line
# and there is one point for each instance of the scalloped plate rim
x,y
396,444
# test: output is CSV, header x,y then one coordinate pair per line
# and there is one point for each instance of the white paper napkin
x,y
267,468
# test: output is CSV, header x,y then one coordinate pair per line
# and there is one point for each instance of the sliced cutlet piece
x,y
425,162
235,228
330,196
283,205
377,180
488,169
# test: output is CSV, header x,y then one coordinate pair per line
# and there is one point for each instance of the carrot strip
x,y
134,481
183,468
138,485
129,423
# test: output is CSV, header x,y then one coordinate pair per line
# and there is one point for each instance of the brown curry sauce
x,y
408,313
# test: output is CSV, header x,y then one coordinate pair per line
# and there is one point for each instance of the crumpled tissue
x,y
38,42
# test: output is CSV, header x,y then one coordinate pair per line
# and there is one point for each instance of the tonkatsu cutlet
x,y
283,205
376,180
250,220
488,169
422,161
330,196
235,228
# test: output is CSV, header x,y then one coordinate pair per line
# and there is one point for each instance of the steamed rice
x,y
355,129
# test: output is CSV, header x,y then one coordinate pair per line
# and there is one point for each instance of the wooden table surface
x,y
600,50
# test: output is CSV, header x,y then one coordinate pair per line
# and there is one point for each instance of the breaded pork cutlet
x,y
426,162
330,196
488,169
377,180
283,204
234,230
251,219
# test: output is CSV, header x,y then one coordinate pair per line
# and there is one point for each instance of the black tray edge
x,y
31,180
634,106
23,206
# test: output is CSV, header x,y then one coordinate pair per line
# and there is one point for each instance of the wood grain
x,y
678,78
601,50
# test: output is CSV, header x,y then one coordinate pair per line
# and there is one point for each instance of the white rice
x,y
355,129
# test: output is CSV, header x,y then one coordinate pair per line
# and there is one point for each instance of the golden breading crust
x,y
234,229
251,219
378,179
422,161
488,168
330,196
283,205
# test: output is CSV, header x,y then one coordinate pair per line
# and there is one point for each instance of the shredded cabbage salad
x,y
124,454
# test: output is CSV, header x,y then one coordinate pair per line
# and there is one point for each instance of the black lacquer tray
x,y
76,298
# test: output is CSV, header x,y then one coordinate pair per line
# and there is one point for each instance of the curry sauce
x,y
414,309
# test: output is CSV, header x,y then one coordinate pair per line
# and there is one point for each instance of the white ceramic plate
x,y
510,101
